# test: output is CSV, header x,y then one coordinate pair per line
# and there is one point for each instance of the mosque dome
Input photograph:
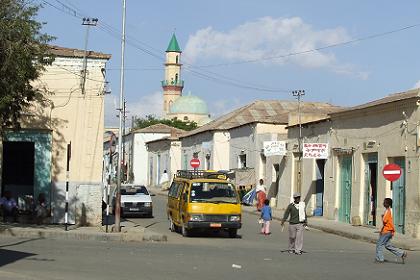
x,y
189,104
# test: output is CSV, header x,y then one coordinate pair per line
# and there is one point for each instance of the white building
x,y
136,155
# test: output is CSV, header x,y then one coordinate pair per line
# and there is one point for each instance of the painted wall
x,y
394,134
76,117
140,155
169,153
202,144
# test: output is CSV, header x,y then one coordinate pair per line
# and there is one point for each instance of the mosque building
x,y
175,105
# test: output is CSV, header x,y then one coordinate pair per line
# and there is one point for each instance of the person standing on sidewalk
x,y
386,234
261,194
297,224
266,216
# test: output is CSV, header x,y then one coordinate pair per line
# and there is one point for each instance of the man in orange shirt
x,y
387,232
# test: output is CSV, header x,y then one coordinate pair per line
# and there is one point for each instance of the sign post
x,y
392,172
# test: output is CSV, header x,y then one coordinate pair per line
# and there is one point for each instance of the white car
x,y
135,201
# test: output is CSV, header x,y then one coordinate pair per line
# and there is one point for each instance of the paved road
x,y
201,257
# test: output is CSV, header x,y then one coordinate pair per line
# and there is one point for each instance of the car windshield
x,y
134,190
213,192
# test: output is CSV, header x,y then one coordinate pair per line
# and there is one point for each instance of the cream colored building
x,y
349,186
71,117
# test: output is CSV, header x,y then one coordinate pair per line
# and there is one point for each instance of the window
x,y
176,189
242,161
213,192
185,118
176,78
176,59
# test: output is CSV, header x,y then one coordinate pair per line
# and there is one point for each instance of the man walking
x,y
297,223
387,232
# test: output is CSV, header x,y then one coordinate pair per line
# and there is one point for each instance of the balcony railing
x,y
173,83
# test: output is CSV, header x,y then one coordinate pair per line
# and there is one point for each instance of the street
x,y
208,256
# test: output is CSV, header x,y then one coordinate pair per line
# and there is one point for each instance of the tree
x,y
24,52
150,120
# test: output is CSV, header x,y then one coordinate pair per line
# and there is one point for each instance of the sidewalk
x,y
129,232
346,230
338,228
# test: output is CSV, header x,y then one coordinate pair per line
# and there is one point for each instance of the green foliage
x,y
150,120
23,55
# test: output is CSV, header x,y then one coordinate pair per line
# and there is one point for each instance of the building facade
x,y
136,159
70,123
348,186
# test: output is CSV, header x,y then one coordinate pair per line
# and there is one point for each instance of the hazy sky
x,y
238,51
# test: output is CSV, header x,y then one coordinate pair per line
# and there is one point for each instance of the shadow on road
x,y
11,256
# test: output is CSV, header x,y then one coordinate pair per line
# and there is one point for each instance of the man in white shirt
x,y
164,180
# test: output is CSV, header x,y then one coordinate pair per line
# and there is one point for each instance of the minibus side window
x,y
172,189
179,190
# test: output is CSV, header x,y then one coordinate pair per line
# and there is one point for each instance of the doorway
x,y
319,187
345,188
398,198
18,168
371,188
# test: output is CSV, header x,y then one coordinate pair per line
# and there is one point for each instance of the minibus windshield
x,y
213,192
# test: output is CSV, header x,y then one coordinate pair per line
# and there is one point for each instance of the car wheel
x,y
233,232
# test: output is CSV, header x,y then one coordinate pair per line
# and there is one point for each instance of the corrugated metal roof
x,y
262,111
69,52
160,128
387,99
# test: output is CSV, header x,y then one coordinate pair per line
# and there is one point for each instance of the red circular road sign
x,y
195,163
392,172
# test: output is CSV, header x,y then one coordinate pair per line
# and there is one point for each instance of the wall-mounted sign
x,y
274,148
315,150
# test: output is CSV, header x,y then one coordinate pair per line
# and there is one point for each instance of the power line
x,y
365,38
207,76
211,76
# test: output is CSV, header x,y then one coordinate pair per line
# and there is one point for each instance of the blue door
x,y
398,198
319,187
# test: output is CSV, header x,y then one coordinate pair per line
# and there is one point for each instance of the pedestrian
x,y
386,234
297,224
41,211
266,216
8,207
164,180
261,194
242,192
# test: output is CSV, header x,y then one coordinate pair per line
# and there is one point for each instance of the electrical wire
x,y
211,76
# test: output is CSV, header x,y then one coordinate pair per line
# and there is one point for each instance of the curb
x,y
138,235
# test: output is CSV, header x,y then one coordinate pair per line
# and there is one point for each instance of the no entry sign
x,y
392,172
195,163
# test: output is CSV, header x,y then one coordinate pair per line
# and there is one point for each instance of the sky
x,y
238,51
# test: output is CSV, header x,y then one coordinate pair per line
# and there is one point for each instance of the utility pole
x,y
123,145
120,130
88,22
298,94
